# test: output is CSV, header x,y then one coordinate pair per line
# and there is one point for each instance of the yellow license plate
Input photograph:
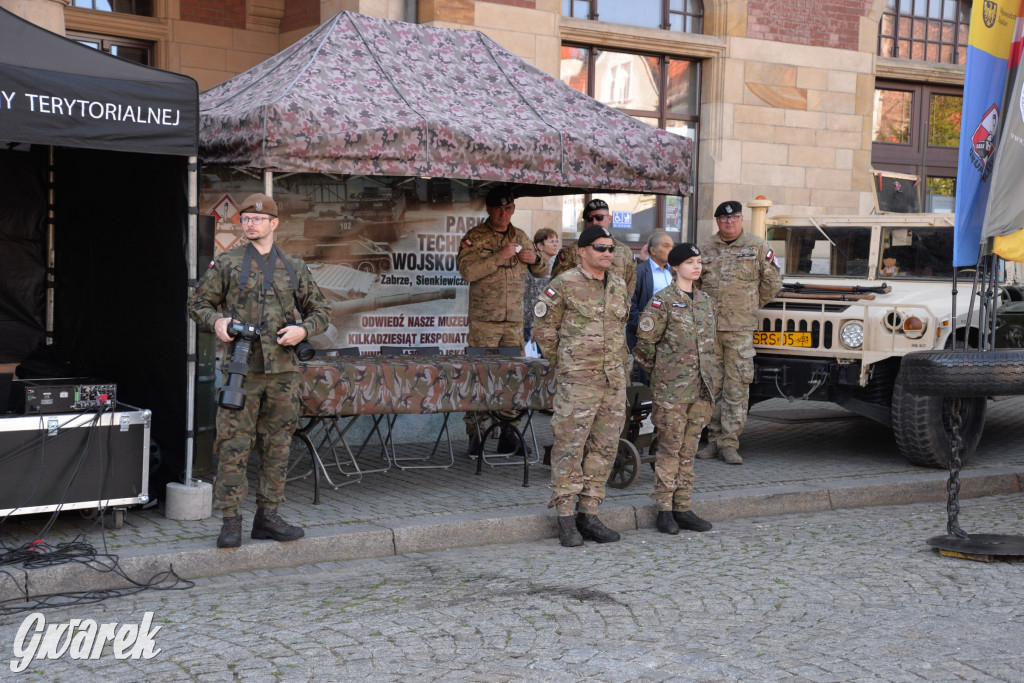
x,y
783,338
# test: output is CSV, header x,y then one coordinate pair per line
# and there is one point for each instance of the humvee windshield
x,y
919,252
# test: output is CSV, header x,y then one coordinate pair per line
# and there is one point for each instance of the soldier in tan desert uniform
x,y
493,258
741,275
676,348
580,325
623,264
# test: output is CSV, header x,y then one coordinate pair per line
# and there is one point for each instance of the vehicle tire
x,y
921,425
963,373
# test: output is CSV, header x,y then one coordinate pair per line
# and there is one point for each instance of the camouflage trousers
x,y
484,335
736,363
679,431
586,425
266,424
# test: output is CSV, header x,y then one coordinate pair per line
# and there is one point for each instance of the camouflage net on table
x,y
425,384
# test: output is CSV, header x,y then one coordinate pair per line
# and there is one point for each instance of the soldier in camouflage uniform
x,y
741,275
257,283
676,348
623,264
494,258
579,324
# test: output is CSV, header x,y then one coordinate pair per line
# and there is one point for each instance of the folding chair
x,y
392,419
530,456
329,433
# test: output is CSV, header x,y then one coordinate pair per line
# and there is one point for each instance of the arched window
x,y
925,30
686,16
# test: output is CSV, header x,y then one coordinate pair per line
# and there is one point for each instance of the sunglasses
x,y
602,248
594,218
252,220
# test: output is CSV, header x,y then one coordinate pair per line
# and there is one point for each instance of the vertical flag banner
x,y
1004,215
988,53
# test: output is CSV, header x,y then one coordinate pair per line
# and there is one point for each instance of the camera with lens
x,y
304,350
232,394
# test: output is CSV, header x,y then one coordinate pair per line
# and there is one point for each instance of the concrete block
x,y
188,502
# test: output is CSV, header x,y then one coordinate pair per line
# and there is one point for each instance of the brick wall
x,y
529,4
807,22
227,13
300,14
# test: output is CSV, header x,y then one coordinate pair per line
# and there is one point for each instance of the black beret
x,y
681,252
594,205
590,234
499,196
729,208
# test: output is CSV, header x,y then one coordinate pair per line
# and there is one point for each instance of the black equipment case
x,y
74,461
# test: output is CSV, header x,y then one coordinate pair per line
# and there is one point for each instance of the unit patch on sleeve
x,y
540,309
646,323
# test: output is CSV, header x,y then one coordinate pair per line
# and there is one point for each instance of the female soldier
x,y
676,348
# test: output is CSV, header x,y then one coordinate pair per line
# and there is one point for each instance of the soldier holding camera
x,y
249,296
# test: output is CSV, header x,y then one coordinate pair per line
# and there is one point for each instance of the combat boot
x,y
268,524
730,455
709,451
509,442
568,535
667,523
593,529
686,519
476,446
230,532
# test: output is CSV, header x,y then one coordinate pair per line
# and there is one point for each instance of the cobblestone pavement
x,y
850,595
809,445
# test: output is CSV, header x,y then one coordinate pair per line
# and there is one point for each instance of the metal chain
x,y
956,445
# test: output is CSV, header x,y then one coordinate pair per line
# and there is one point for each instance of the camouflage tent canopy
x,y
367,96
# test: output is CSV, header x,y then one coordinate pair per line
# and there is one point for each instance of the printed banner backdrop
x,y
382,250
988,52
1004,215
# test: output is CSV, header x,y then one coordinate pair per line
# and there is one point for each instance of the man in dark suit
x,y
651,275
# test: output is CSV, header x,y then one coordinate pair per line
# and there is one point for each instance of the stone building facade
x,y
785,99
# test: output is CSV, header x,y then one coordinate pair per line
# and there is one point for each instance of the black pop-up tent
x,y
95,232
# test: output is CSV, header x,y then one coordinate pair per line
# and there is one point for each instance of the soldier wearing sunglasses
x,y
580,326
596,212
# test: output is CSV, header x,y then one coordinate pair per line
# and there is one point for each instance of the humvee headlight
x,y
852,334
913,327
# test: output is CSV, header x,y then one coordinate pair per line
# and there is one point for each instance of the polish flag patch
x,y
655,303
770,256
467,242
550,292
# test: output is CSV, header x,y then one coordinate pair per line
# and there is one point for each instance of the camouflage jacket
x,y
676,347
623,265
580,326
495,284
740,277
220,295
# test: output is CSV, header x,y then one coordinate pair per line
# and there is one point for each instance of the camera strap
x,y
267,267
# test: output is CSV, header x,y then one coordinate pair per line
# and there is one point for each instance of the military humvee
x,y
860,293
